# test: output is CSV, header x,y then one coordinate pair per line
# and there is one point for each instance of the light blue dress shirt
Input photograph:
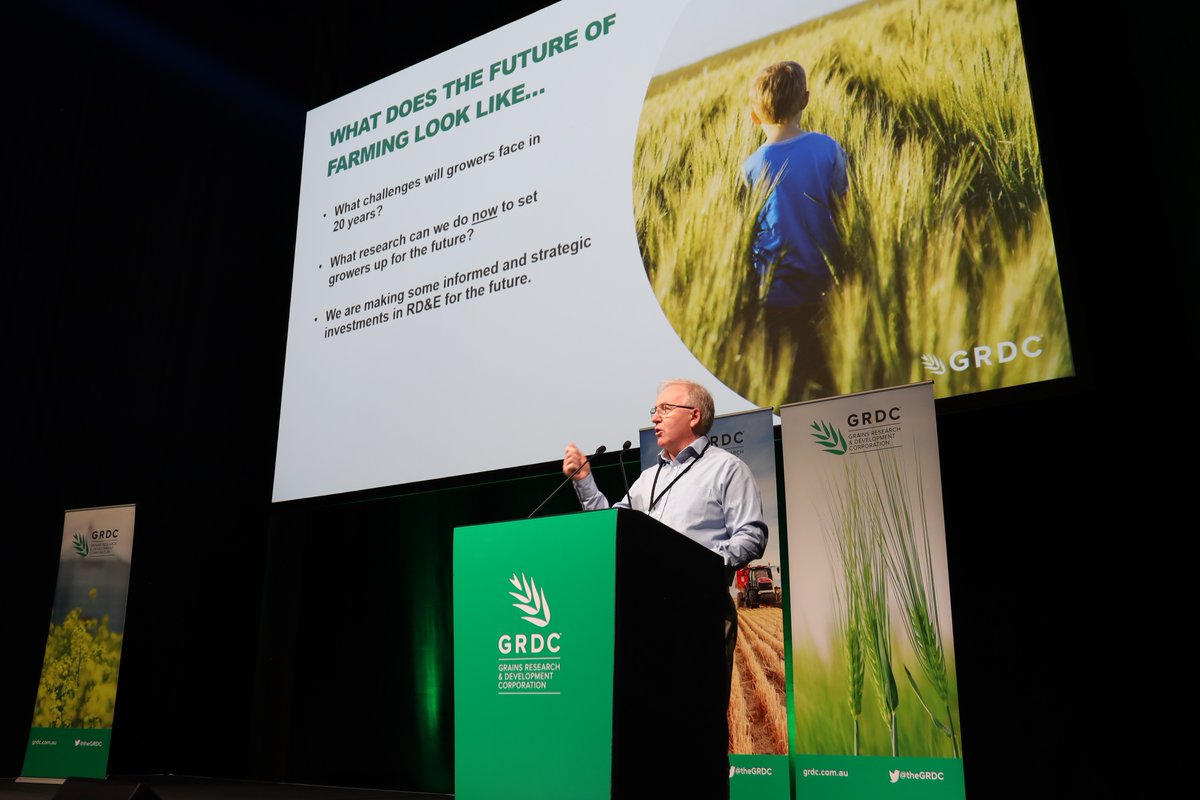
x,y
706,493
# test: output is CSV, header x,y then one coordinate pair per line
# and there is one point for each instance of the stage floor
x,y
178,787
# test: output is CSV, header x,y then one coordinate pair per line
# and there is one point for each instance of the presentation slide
x,y
507,247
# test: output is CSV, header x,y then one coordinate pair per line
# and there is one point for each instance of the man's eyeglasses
x,y
662,409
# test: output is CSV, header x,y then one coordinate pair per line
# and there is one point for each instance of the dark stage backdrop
x,y
152,174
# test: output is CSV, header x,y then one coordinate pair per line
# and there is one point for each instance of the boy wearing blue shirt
x,y
795,238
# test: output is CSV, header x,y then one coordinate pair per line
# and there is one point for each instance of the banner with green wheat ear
x,y
872,640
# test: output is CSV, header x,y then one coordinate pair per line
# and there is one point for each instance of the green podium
x,y
588,661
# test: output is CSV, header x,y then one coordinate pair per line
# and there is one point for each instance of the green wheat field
x,y
886,684
947,232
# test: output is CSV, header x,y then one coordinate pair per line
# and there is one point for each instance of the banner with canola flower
x,y
73,712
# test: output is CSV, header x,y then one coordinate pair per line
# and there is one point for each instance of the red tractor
x,y
756,586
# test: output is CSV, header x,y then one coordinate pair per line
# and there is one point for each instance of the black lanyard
x,y
654,500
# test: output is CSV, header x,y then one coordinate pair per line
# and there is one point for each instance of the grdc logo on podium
x,y
529,660
532,601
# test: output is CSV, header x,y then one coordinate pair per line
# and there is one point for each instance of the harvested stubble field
x,y
758,697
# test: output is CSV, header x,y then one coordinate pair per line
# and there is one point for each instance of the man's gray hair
x,y
697,396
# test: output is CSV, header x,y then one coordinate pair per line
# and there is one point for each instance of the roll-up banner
x,y
758,722
876,696
73,712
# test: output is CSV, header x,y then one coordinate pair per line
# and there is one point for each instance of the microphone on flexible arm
x,y
621,459
599,452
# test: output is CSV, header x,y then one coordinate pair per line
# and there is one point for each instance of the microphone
x,y
599,452
621,460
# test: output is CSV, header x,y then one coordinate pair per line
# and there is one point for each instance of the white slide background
x,y
507,376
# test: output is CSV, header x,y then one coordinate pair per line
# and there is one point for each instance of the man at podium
x,y
706,493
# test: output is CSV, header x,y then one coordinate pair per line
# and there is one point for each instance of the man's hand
x,y
572,460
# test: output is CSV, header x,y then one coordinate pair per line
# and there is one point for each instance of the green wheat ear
x,y
81,545
846,539
904,541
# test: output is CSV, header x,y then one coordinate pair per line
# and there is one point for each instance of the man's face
x,y
674,431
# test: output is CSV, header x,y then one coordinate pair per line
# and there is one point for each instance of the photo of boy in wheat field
x,y
933,255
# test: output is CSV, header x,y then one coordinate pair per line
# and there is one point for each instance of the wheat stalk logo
x,y
81,545
829,438
933,364
531,600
